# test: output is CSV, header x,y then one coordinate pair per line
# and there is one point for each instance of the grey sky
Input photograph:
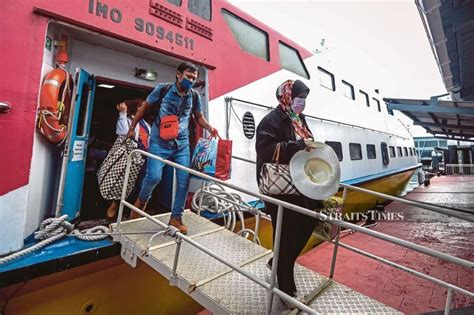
x,y
383,40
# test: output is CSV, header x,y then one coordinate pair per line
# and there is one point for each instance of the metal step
x,y
219,288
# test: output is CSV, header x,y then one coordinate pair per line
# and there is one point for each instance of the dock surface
x,y
398,289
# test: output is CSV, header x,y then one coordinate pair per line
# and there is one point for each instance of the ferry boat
x,y
113,48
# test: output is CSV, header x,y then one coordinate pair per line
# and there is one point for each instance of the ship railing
x,y
285,206
459,169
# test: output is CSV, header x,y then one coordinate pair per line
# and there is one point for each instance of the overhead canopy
x,y
449,25
454,120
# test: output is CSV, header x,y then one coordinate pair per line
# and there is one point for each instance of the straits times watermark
x,y
371,215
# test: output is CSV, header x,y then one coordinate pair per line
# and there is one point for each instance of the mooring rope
x,y
53,229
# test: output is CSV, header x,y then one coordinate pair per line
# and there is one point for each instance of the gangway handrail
x,y
316,215
281,206
427,206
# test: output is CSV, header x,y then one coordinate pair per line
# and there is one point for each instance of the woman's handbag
x,y
111,174
275,178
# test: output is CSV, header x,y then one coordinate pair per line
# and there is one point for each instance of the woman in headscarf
x,y
286,125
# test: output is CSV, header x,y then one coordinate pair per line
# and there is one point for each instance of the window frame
x,y
351,144
299,57
267,37
367,100
176,5
405,150
339,144
367,151
333,80
193,13
345,83
399,151
385,153
378,104
392,151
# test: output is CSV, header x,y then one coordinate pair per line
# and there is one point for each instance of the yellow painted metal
x,y
104,287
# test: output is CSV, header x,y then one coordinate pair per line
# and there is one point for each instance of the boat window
x,y
411,152
355,151
385,159
431,143
81,123
377,103
406,151
443,143
326,79
200,8
337,147
348,90
175,2
371,152
290,60
251,39
392,151
416,144
364,97
399,150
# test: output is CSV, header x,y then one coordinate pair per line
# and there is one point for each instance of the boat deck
x,y
221,289
398,289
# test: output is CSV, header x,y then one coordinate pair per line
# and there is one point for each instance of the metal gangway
x,y
227,273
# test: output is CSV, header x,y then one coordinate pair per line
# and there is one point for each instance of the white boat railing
x,y
459,169
285,206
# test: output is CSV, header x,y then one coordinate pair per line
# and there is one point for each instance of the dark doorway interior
x,y
101,138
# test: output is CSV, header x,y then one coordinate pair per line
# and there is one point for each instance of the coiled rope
x,y
53,229
219,202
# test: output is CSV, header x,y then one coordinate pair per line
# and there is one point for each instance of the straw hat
x,y
316,173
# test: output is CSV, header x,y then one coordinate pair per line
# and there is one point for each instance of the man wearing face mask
x,y
286,125
169,136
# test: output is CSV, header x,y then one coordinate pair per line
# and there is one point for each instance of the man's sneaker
x,y
178,223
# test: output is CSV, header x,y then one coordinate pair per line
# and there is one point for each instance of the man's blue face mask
x,y
186,84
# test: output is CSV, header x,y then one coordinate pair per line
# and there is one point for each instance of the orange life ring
x,y
55,100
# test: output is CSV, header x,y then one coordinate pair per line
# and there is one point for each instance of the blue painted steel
x,y
358,180
415,108
62,248
77,145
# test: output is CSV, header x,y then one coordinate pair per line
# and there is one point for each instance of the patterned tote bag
x,y
275,178
111,174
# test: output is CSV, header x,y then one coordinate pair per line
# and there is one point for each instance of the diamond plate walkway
x,y
219,288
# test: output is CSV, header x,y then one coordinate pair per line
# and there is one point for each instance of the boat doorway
x,y
113,64
103,133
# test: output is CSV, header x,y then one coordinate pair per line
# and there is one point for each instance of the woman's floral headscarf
x,y
284,97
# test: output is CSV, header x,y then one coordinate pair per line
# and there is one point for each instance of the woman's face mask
x,y
298,104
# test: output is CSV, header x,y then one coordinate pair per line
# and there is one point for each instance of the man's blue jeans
x,y
154,172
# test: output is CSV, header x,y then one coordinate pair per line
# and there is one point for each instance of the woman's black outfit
x,y
296,230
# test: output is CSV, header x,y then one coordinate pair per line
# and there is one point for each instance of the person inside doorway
x,y
127,111
169,137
